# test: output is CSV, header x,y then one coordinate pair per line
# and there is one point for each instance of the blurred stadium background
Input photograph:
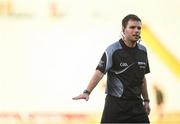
x,y
50,48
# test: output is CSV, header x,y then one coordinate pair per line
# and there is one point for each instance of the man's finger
x,y
78,97
87,98
74,98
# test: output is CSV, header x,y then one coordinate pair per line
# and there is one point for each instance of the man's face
x,y
132,31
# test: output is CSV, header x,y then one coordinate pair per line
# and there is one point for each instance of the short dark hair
x,y
129,17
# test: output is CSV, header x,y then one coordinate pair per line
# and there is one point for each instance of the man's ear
x,y
123,29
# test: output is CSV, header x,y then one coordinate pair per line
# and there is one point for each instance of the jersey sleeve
x,y
147,69
105,62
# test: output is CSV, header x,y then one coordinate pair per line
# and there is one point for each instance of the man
x,y
126,64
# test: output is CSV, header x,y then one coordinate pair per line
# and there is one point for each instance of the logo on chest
x,y
142,65
123,64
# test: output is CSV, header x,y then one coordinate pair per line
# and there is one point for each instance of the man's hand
x,y
82,96
147,107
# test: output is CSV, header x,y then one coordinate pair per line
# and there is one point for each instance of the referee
x,y
126,64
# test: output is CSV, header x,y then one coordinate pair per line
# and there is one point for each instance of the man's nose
x,y
137,30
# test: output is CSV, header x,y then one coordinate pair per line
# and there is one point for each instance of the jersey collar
x,y
125,46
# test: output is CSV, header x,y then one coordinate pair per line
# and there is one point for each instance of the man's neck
x,y
129,43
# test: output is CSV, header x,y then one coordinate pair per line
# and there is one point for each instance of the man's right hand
x,y
82,96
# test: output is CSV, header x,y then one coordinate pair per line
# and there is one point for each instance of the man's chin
x,y
134,40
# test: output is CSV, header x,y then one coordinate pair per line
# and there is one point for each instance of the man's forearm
x,y
144,90
98,75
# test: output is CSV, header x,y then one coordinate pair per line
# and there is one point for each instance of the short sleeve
x,y
105,62
147,69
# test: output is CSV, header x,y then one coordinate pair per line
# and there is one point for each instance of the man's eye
x,y
139,28
132,27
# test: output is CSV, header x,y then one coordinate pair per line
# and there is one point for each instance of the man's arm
x,y
98,75
144,90
145,95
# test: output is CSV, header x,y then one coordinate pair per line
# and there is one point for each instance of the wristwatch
x,y
87,92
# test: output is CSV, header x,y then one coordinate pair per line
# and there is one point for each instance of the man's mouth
x,y
137,36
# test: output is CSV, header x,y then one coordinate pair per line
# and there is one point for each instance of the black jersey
x,y
125,69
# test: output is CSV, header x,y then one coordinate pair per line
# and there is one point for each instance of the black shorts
x,y
117,110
